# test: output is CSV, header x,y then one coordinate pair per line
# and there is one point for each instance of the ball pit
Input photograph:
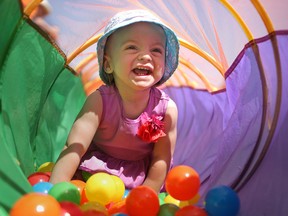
x,y
105,195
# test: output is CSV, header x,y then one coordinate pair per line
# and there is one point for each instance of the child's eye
x,y
158,50
131,47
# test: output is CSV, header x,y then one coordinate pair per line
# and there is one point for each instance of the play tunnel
x,y
231,90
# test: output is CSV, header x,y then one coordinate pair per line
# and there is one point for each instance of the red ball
x,y
70,209
118,207
93,212
142,201
182,182
191,211
36,204
37,177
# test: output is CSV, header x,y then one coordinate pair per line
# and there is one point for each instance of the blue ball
x,y
127,191
222,201
42,187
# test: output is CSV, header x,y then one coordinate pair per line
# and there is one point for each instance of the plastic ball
x,y
120,214
195,199
181,204
100,187
191,210
70,209
42,187
126,192
161,197
79,184
167,209
37,177
94,209
93,213
36,204
118,207
172,200
46,167
120,188
192,201
142,201
65,191
222,201
81,188
182,182
84,197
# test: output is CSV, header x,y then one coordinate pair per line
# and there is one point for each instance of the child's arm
x,y
163,150
79,139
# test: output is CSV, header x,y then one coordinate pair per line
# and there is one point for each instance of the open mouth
x,y
141,71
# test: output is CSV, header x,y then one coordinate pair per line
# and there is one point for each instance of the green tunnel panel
x,y
40,98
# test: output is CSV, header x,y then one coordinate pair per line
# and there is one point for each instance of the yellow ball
x,y
195,199
170,199
100,187
46,167
120,188
93,207
181,204
192,201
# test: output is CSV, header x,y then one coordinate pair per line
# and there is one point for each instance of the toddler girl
x,y
128,126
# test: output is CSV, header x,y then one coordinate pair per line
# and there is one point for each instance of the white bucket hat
x,y
126,18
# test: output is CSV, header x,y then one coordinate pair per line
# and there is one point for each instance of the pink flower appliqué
x,y
151,128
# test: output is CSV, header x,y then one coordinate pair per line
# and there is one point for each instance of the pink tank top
x,y
116,135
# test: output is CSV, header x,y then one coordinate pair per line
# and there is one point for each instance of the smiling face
x,y
135,55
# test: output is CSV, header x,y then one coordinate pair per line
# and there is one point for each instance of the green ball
x,y
161,197
65,191
168,209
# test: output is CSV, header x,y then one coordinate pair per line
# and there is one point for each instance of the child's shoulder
x,y
106,89
159,93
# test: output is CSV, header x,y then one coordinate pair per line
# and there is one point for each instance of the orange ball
x,y
36,204
142,201
81,188
182,182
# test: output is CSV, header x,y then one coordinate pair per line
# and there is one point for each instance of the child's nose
x,y
144,57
